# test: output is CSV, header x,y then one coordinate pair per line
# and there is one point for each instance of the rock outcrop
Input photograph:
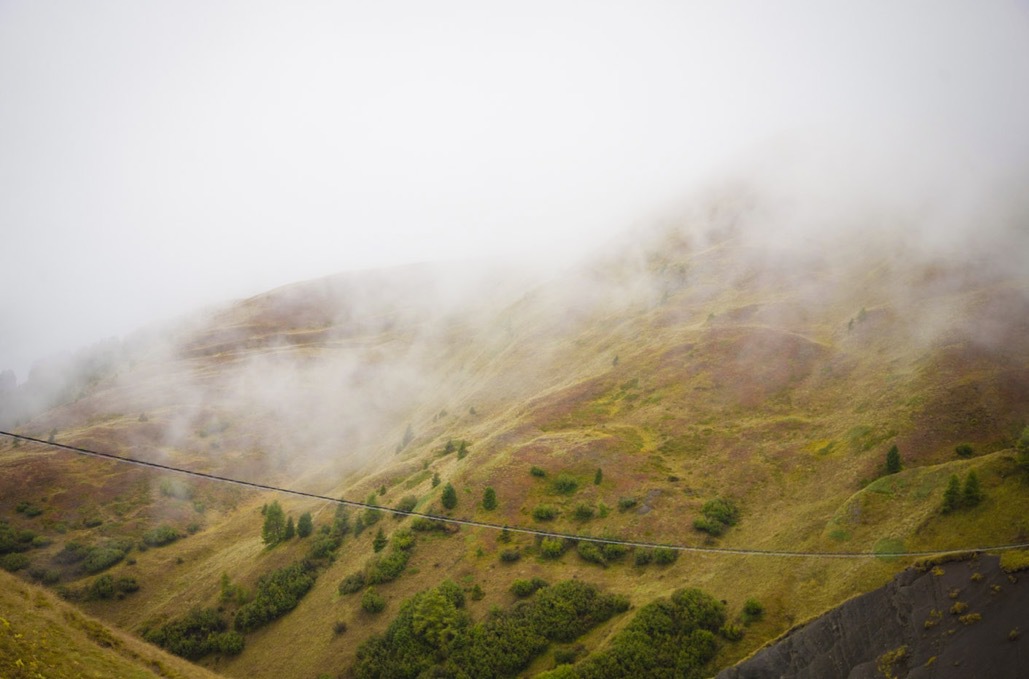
x,y
964,618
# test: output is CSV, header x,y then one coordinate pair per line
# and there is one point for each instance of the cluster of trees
x,y
718,515
277,593
280,528
198,633
15,541
381,569
957,496
674,637
434,636
93,558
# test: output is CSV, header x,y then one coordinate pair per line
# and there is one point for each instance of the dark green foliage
x,y
424,525
102,557
510,555
339,627
489,498
291,529
565,484
524,588
667,638
719,514
403,539
14,561
46,576
198,633
28,509
752,611
449,497
721,510
584,512
665,555
107,587
305,526
18,540
505,535
544,512
643,556
380,541
72,552
406,504
433,636
386,568
627,503
324,545
435,479
277,593
372,601
162,535
731,632
552,548
952,496
274,527
971,493
358,526
352,583
538,472
591,552
612,551
341,521
598,478
382,489
462,450
372,514
893,460
964,450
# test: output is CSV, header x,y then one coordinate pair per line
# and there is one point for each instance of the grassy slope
x,y
41,635
749,387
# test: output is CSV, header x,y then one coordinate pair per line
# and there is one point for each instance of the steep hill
x,y
689,363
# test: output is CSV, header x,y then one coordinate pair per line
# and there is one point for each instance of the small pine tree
x,y
893,460
358,526
972,494
382,489
449,496
505,535
305,526
380,541
372,514
274,524
489,498
291,529
462,450
435,479
952,496
598,477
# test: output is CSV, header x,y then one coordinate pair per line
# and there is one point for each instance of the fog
x,y
160,157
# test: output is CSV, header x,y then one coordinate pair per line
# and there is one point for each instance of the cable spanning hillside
x,y
514,529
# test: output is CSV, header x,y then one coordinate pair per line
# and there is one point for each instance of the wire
x,y
513,529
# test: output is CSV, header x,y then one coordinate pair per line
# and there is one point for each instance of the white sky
x,y
157,156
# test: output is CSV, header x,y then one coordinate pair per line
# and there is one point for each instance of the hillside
x,y
688,363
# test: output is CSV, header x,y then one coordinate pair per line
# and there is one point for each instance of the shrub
x,y
524,588
584,512
380,541
952,495
406,504
162,535
964,450
613,551
538,472
372,514
449,496
565,484
708,526
352,583
731,632
544,512
489,498
721,510
372,601
643,556
510,555
339,627
665,555
47,576
14,561
403,539
971,494
386,568
198,633
102,558
305,526
552,548
591,552
598,478
893,464
627,503
277,594
752,610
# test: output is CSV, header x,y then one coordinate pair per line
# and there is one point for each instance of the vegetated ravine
x,y
689,386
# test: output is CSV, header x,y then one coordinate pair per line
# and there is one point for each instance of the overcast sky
x,y
158,156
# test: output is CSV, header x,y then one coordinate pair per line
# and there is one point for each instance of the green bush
x,y
643,556
101,558
449,496
565,484
198,633
591,552
14,561
584,512
372,601
386,568
627,503
665,555
305,525
510,555
489,498
277,594
752,611
731,632
964,450
538,472
524,588
544,512
705,525
352,583
552,548
162,535
721,510
406,504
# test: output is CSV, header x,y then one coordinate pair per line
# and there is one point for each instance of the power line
x,y
514,529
